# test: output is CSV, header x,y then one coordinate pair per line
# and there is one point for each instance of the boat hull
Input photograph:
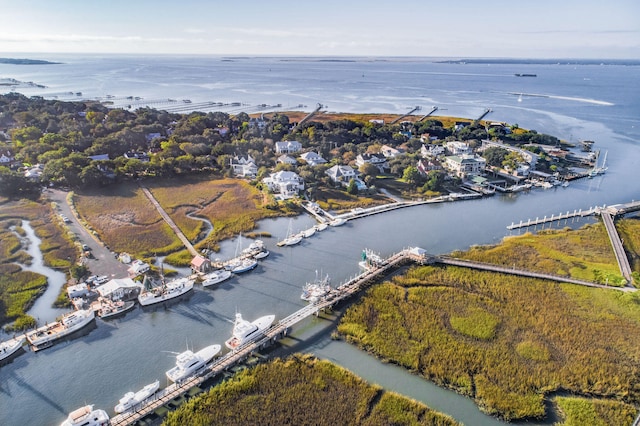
x,y
172,292
203,356
216,278
11,348
131,400
261,325
44,337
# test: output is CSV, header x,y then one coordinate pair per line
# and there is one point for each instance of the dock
x,y
554,218
309,116
433,109
416,108
351,287
484,114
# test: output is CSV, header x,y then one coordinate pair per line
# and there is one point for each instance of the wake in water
x,y
566,98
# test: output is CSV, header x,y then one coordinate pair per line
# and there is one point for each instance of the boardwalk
x,y
616,243
346,290
554,218
170,222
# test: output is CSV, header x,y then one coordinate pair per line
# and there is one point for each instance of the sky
x,y
593,29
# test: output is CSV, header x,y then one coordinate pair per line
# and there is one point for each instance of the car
x,y
86,247
64,218
92,278
102,279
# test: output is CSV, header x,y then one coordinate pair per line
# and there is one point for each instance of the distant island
x,y
24,61
560,61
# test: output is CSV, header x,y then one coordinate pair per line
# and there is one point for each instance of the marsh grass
x,y
594,412
544,336
301,390
338,200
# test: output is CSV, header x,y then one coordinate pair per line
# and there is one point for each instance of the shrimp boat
x,y
10,347
44,337
166,291
316,289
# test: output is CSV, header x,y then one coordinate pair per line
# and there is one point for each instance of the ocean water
x,y
573,102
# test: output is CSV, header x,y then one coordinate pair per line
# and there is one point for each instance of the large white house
x,y
342,174
378,160
288,147
244,167
287,184
313,158
458,148
466,165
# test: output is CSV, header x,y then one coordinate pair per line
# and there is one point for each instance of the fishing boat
x,y
316,289
257,250
291,239
131,399
215,277
10,347
245,331
370,260
87,416
189,363
166,291
43,337
111,309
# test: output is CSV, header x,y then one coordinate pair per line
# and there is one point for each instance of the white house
x,y
390,152
244,167
458,148
138,267
287,184
428,151
466,165
119,288
285,159
377,160
313,158
288,147
426,165
342,174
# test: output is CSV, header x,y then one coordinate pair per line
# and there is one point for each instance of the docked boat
x,y
111,309
215,277
261,255
241,265
43,337
338,222
188,362
321,226
166,291
316,289
245,331
291,239
10,347
257,250
308,232
131,399
87,416
370,260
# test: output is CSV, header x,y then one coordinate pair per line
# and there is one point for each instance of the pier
x,y
484,114
375,270
309,116
433,109
616,244
554,218
417,108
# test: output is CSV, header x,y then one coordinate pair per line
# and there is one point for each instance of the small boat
x,y
316,289
257,250
189,363
308,232
291,239
112,309
565,183
87,416
10,347
215,277
261,255
166,291
321,226
131,399
245,331
338,222
43,337
242,265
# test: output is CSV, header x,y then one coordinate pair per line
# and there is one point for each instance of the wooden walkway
x,y
554,218
342,292
616,244
170,222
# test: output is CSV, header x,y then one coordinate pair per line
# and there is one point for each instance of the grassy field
x,y
583,254
508,341
325,117
337,200
19,289
302,390
594,412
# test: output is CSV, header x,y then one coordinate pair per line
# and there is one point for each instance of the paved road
x,y
104,262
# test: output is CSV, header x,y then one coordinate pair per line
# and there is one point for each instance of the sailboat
x,y
291,238
241,262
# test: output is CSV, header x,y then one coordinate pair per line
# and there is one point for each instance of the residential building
x,y
458,148
466,165
530,157
342,174
285,159
426,165
377,160
391,152
244,166
313,158
138,267
429,151
287,184
288,147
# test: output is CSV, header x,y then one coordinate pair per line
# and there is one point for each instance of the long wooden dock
x,y
372,273
554,218
416,108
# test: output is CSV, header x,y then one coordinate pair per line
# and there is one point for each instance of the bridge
x,y
375,269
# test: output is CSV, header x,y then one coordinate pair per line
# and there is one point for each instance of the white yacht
x,y
215,277
308,232
242,265
166,291
11,346
43,337
321,226
87,416
245,331
188,363
131,399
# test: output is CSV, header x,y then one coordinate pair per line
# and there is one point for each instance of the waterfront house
x,y
458,148
285,159
377,160
465,165
342,174
429,150
530,157
313,158
391,152
288,147
426,165
200,264
244,166
138,267
286,184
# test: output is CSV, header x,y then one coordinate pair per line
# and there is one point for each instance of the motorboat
x,y
166,291
87,416
261,255
338,222
131,399
257,250
242,265
321,226
188,363
308,232
43,337
316,289
113,308
10,347
215,277
245,331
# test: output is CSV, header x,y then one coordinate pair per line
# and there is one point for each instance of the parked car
x,y
86,247
64,218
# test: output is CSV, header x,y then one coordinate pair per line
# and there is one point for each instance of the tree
x,y
411,175
352,188
495,156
